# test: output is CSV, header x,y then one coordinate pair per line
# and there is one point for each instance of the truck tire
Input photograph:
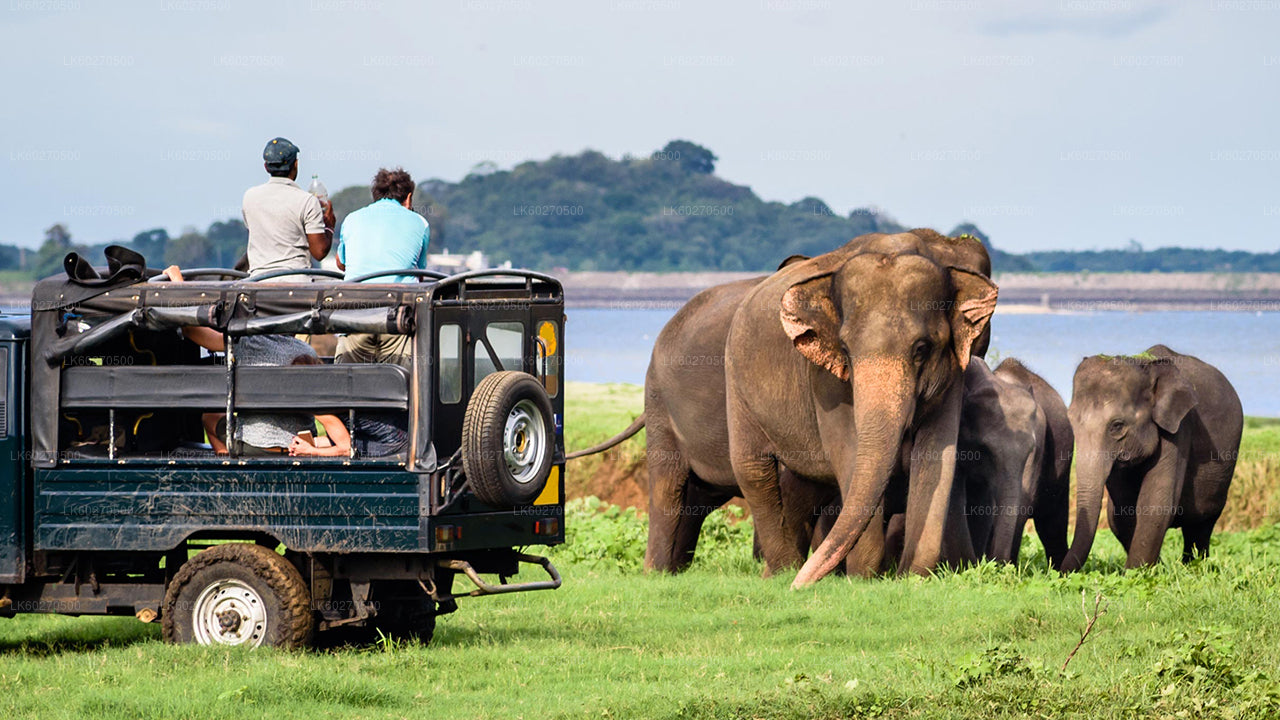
x,y
508,439
411,620
238,594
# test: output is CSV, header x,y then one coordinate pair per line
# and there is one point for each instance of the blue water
x,y
614,345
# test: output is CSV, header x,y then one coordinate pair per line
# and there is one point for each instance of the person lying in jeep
x,y
268,433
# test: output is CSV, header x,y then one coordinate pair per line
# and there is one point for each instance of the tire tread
x,y
277,572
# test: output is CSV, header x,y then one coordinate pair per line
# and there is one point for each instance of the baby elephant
x,y
1014,460
1161,430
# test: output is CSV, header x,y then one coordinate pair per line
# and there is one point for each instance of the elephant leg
x,y
1120,518
980,510
1195,540
1051,526
669,478
895,528
783,545
699,502
1157,504
866,559
803,505
1009,523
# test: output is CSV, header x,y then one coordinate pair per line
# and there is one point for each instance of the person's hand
x,y
298,446
329,218
174,273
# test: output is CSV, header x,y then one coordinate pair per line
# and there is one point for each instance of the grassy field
x,y
720,642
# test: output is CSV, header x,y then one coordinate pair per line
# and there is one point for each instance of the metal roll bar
x,y
420,274
314,272
203,272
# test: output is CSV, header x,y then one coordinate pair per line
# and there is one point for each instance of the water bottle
x,y
318,189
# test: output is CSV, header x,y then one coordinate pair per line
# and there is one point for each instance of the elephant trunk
x,y
882,405
1091,477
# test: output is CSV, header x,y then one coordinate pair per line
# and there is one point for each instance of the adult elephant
x,y
1160,431
690,473
831,363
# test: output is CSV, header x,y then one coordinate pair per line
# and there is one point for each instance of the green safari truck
x,y
117,505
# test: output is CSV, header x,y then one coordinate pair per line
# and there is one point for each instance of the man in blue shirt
x,y
387,235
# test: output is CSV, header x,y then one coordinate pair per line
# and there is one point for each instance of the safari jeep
x,y
117,505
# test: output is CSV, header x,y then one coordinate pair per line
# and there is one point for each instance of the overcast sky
x,y
1064,124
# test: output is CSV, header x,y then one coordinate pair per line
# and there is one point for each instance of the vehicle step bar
x,y
485,588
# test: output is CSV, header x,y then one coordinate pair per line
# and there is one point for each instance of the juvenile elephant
x,y
1013,463
1161,430
1015,451
831,363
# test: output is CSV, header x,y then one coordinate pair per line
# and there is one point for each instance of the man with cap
x,y
288,226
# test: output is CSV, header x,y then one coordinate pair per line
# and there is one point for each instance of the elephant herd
x,y
845,397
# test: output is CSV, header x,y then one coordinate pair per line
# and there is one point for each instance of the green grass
x,y
595,412
721,642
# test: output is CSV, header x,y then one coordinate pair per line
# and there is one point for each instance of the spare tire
x,y
508,439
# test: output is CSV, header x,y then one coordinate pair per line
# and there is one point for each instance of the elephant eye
x,y
1115,428
920,352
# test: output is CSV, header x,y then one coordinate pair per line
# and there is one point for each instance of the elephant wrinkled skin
x,y
830,364
1160,431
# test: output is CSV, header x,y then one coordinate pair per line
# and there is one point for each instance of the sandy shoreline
x,y
1020,293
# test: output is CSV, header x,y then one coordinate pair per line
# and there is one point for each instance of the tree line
x,y
664,212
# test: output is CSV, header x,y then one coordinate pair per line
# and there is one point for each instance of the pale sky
x,y
1065,124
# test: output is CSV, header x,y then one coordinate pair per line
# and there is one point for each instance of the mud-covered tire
x,y
238,594
508,439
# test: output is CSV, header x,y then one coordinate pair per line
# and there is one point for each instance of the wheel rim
x,y
524,442
229,612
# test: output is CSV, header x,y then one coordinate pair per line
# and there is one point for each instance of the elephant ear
x,y
792,260
1174,396
811,319
975,301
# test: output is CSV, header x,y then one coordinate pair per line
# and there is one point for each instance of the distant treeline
x,y
664,212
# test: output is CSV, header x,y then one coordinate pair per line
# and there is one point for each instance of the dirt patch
x,y
619,476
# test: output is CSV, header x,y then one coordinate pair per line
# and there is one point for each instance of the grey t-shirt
x,y
279,215
271,429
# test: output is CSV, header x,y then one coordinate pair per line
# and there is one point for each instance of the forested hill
x,y
668,211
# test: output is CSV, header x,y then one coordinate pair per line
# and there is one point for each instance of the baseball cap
x,y
279,154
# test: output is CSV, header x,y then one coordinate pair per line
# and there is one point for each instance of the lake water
x,y
614,345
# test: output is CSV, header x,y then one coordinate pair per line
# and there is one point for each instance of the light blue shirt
x,y
384,236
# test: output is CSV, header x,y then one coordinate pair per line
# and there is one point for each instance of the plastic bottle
x,y
318,189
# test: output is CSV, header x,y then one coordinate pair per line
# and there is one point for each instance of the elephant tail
x,y
632,429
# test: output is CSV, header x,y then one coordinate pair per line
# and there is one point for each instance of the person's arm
x,y
210,422
317,222
207,338
342,254
334,430
426,244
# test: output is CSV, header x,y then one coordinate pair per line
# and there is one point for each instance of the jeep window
x,y
502,347
450,349
549,340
